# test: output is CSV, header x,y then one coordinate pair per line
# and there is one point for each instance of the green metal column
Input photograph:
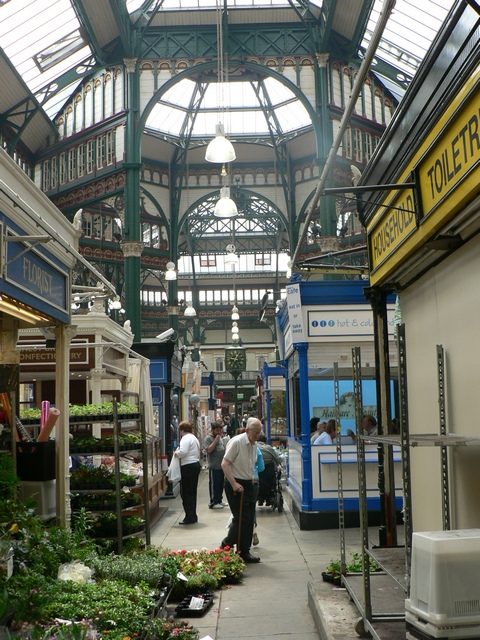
x,y
132,244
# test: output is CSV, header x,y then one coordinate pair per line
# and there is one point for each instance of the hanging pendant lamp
x,y
220,149
225,207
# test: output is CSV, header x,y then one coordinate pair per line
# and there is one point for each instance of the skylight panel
x,y
277,91
166,119
42,39
180,94
293,116
409,32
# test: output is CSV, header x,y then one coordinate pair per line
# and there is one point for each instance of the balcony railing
x,y
226,376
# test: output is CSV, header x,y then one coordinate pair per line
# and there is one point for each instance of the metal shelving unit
x,y
380,596
116,422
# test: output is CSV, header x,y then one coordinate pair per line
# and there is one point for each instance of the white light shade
x,y
231,258
235,330
225,207
170,274
116,304
235,314
235,337
220,149
190,311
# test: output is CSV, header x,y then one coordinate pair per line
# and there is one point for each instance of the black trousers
x,y
216,480
241,530
188,489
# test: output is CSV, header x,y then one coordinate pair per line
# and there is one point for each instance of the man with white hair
x,y
238,466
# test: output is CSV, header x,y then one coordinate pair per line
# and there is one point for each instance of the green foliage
x,y
112,605
28,592
106,524
85,410
98,475
8,479
334,567
118,604
160,629
42,546
30,414
353,566
101,409
203,569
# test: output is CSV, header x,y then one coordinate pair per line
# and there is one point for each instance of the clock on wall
x,y
235,359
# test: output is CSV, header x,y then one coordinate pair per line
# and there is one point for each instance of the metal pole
x,y
357,87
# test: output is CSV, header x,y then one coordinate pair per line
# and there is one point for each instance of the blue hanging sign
x,y
36,275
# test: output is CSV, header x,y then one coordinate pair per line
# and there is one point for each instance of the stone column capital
x,y
130,64
133,249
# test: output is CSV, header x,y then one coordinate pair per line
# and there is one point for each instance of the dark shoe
x,y
210,506
248,558
188,521
224,544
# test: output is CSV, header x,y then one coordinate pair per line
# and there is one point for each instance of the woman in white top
x,y
189,454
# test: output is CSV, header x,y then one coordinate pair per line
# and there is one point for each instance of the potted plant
x,y
333,572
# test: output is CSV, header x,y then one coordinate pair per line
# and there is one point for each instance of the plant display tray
x,y
185,610
330,577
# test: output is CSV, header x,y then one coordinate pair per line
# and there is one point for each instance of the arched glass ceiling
x,y
234,104
44,38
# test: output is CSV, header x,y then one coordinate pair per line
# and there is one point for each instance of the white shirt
x,y
242,455
324,438
189,449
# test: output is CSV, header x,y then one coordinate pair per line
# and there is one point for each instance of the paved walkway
x,y
281,597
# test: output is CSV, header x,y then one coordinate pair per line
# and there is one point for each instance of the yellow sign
x,y
455,153
394,228
446,168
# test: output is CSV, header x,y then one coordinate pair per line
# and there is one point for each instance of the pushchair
x,y
270,487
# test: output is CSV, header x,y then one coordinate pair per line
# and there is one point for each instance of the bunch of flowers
x,y
203,569
162,629
222,564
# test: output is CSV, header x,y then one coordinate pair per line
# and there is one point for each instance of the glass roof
x,y
243,114
43,39
410,31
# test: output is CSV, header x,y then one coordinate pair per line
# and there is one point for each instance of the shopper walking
x,y
189,454
238,466
215,449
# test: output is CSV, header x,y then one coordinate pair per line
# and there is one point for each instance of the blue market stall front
x,y
322,324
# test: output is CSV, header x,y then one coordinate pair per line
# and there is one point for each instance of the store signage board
x,y
294,308
36,275
345,322
445,168
42,357
395,227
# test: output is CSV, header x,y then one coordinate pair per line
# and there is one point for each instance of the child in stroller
x,y
270,489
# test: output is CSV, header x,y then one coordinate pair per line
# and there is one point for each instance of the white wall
x,y
443,308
